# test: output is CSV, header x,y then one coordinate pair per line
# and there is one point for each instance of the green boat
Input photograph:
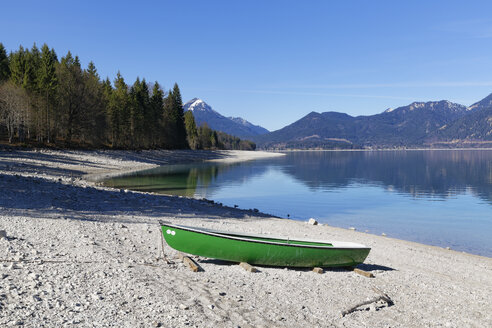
x,y
262,249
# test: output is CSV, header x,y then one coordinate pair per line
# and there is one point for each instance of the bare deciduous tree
x,y
14,110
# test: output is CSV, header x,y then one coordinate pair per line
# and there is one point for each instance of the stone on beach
x,y
312,221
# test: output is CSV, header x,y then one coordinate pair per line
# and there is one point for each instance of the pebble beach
x,y
76,254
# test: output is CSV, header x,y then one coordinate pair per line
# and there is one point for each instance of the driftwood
x,y
318,270
248,267
190,263
363,273
382,297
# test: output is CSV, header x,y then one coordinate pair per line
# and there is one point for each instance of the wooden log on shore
x,y
318,270
248,267
363,273
382,297
190,263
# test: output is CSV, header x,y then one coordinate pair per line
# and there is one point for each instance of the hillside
x,y
476,126
400,127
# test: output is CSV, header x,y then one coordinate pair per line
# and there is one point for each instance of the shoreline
x,y
370,150
78,253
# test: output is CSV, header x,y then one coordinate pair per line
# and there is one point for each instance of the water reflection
x,y
185,180
436,173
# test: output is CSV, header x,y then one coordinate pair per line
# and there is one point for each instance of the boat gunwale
x,y
228,235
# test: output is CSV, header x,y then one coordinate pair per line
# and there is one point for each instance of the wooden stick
x,y
190,263
248,267
382,297
353,308
385,296
364,273
318,270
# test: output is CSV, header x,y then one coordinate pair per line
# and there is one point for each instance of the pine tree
x,y
107,94
156,112
47,85
32,64
204,136
4,64
139,109
174,120
119,113
17,66
94,118
191,130
182,142
92,71
71,96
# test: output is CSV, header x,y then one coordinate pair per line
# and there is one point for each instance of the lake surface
x,y
435,197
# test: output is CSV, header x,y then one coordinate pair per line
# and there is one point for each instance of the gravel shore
x,y
77,254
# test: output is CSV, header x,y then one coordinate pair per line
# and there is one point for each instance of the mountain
x,y
256,129
315,130
407,125
474,127
400,127
236,126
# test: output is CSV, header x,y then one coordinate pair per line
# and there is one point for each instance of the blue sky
x,y
272,62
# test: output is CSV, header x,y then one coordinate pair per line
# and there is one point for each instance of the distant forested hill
x,y
420,124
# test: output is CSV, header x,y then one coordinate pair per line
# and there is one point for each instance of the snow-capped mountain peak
x,y
236,126
197,105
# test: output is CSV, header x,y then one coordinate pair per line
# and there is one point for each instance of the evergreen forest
x,y
50,102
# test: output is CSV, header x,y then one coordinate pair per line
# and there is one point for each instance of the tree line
x,y
49,101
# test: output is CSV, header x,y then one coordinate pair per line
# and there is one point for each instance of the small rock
x,y
156,324
222,294
3,234
97,297
352,228
448,248
312,221
211,306
383,234
33,276
183,307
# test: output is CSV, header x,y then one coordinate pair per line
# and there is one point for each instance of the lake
x,y
435,197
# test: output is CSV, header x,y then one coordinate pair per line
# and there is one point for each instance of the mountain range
x,y
236,126
420,124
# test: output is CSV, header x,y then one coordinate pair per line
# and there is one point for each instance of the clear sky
x,y
272,62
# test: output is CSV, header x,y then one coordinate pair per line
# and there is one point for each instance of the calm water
x,y
441,198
